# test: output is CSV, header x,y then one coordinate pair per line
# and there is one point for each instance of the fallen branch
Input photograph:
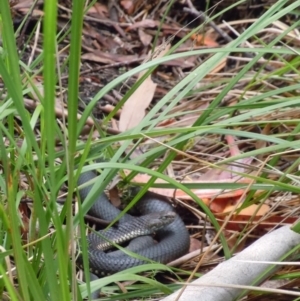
x,y
243,269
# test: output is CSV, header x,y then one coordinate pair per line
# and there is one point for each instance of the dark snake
x,y
173,239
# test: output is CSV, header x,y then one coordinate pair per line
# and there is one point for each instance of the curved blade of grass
x,y
128,275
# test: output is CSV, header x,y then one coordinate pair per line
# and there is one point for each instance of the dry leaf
x,y
252,210
144,37
195,244
143,23
205,40
135,107
128,6
108,58
99,9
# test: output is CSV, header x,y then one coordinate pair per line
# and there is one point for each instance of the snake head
x,y
157,220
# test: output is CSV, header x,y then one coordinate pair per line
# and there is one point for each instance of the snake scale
x,y
173,239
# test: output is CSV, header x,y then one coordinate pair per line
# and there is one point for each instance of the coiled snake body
x,y
173,239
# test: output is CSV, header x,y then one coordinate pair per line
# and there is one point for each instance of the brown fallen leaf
x,y
252,215
238,222
34,13
195,244
108,58
98,9
128,6
144,23
252,210
22,4
144,37
205,40
134,109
